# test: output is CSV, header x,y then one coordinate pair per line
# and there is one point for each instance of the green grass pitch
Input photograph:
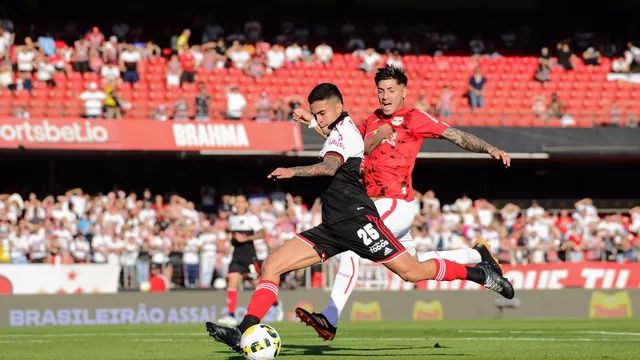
x,y
486,339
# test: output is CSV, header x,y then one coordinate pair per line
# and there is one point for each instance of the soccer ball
x,y
260,342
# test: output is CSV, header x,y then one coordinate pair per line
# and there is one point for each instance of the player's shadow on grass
x,y
297,350
308,350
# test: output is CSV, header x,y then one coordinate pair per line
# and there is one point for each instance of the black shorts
x,y
245,265
365,235
188,76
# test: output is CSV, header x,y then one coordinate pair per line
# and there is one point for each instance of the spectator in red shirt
x,y
188,63
157,281
564,221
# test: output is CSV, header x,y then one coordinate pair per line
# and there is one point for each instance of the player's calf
x,y
444,270
293,255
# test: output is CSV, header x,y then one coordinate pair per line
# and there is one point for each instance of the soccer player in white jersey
x,y
393,135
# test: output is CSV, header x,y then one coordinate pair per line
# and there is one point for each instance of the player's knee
x,y
270,269
410,276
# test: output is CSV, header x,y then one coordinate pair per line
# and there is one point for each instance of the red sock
x,y
263,298
232,300
449,270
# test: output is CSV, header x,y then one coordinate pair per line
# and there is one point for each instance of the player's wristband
x,y
313,123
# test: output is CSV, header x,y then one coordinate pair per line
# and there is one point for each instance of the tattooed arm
x,y
328,167
473,143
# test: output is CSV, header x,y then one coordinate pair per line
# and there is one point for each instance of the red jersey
x,y
187,61
387,169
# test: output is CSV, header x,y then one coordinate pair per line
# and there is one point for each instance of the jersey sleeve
x,y
425,125
344,140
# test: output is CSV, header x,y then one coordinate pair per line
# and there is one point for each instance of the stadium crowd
x,y
106,62
192,248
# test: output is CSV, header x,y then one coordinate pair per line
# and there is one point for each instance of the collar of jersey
x,y
341,117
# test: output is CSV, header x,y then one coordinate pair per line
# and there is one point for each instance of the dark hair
x,y
324,91
391,72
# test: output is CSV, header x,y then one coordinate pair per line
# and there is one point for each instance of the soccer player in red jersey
x,y
393,136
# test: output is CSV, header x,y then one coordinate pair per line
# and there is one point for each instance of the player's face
x,y
390,95
242,205
326,112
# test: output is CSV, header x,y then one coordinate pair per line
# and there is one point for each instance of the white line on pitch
x,y
493,338
24,341
109,334
596,332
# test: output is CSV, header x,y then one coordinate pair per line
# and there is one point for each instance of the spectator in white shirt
x,y
370,60
633,56
129,60
276,57
430,203
37,244
6,41
80,249
395,59
100,245
46,70
113,218
26,57
208,240
464,203
450,219
191,259
236,103
129,256
239,55
509,214
110,74
19,245
324,52
535,210
293,52
93,99
159,248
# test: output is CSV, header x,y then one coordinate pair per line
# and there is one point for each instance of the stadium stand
x,y
275,79
120,228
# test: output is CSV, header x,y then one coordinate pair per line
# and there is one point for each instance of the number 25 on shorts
x,y
368,234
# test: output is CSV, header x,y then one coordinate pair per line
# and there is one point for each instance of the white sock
x,y
343,285
461,256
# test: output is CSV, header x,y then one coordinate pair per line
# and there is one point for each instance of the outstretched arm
x,y
473,143
328,167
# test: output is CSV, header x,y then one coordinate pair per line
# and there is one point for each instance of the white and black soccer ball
x,y
260,342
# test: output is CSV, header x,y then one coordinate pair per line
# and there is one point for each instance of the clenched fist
x,y
303,116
